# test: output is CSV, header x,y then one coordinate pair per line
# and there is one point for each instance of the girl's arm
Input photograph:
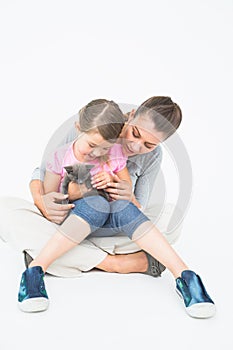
x,y
76,191
103,179
51,182
125,176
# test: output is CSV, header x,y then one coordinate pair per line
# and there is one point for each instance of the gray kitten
x,y
80,174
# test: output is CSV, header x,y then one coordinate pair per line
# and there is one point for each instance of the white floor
x,y
102,310
56,56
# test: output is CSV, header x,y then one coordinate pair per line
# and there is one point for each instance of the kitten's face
x,y
79,173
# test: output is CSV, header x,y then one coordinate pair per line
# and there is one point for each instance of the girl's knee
x,y
94,209
123,212
121,205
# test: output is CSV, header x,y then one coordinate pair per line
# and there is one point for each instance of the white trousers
x,y
23,226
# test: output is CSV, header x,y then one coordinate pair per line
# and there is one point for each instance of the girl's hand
x,y
101,180
76,191
119,189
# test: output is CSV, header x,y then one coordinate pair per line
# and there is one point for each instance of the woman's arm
x,y
37,191
145,182
48,203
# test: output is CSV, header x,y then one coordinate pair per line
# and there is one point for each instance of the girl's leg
x,y
88,215
128,218
59,244
150,239
167,219
125,216
23,226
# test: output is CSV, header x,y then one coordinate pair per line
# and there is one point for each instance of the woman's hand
x,y
101,180
119,189
50,207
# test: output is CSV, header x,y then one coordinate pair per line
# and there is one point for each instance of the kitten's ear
x,y
69,169
89,166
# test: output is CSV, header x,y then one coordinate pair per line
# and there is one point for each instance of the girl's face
x,y
140,136
91,145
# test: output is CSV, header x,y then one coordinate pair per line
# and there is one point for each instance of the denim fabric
x,y
94,210
124,217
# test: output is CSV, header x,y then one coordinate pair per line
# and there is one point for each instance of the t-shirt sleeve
x,y
55,160
54,164
117,158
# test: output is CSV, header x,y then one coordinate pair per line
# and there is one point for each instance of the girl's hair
x,y
104,116
165,114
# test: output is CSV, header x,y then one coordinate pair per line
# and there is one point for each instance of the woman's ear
x,y
131,115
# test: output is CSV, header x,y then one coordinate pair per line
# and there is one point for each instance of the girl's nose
x,y
96,153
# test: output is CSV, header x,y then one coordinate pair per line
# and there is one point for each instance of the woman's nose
x,y
136,146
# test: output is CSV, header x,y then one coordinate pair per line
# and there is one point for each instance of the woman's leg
x,y
124,263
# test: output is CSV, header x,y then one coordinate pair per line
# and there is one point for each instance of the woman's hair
x,y
165,114
104,116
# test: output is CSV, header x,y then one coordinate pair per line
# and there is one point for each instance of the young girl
x,y
93,146
120,215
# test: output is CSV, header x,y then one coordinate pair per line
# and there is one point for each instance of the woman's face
x,y
140,136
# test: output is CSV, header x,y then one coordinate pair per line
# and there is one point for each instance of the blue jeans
x,y
109,218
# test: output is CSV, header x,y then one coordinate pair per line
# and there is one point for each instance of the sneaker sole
x,y
199,310
34,305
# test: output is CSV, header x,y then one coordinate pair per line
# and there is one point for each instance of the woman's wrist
x,y
37,191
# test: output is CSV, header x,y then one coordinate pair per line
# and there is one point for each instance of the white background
x,y
55,57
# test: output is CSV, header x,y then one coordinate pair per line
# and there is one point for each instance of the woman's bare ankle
x,y
124,263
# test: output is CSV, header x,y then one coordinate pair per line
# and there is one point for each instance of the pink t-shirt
x,y
64,156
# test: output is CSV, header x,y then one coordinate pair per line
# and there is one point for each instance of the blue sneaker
x,y
32,295
191,289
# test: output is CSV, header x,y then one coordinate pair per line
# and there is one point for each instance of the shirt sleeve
x,y
117,158
145,182
54,163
